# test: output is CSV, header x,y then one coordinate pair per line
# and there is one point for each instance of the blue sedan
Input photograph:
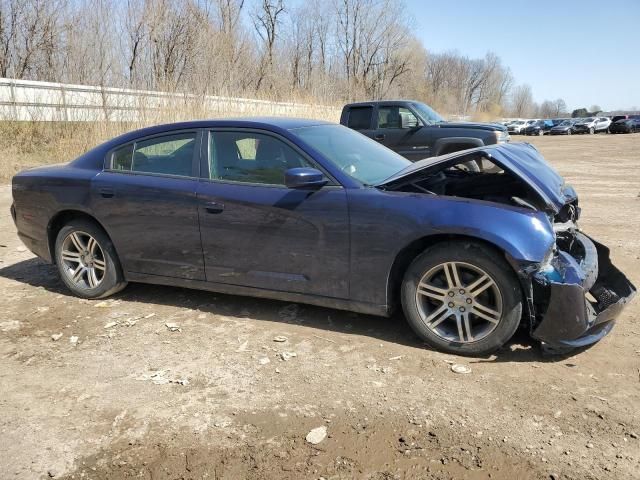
x,y
471,245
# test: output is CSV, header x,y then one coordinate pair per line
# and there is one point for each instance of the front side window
x,y
396,117
168,155
251,158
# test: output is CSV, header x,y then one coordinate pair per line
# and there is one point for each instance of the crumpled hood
x,y
521,159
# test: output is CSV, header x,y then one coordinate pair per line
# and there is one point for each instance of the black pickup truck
x,y
416,131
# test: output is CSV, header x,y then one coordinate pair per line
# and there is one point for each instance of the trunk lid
x,y
521,159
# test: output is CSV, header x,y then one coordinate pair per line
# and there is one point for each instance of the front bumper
x,y
579,298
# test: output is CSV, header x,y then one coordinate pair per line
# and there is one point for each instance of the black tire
x,y
111,281
488,261
592,131
569,132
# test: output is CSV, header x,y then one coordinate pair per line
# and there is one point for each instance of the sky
x,y
586,52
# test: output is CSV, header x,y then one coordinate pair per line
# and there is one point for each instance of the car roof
x,y
274,124
262,123
380,102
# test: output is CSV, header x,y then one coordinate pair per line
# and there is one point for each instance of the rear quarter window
x,y
360,118
122,157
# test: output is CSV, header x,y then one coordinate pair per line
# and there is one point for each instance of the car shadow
x,y
35,272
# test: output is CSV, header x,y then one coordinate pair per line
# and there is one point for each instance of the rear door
x,y
146,200
258,233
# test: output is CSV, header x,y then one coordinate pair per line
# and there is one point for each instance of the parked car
x,y
519,126
564,128
631,125
615,118
592,125
539,128
415,131
312,212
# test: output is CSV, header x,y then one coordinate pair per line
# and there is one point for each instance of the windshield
x,y
588,120
566,123
427,113
358,156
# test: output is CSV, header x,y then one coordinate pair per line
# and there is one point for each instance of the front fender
x,y
524,235
386,225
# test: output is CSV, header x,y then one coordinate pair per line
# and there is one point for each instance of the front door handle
x,y
214,207
106,192
379,137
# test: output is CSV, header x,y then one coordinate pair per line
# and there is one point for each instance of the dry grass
x,y
35,143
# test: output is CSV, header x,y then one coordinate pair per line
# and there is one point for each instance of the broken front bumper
x,y
578,297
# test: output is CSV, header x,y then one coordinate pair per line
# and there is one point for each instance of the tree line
x,y
325,52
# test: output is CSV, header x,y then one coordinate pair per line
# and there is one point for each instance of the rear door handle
x,y
106,192
379,137
214,207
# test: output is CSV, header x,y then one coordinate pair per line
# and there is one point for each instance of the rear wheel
x,y
462,298
569,132
541,132
87,261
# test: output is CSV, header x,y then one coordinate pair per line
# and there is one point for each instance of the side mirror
x,y
409,122
303,177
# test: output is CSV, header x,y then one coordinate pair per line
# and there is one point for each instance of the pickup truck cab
x,y
416,131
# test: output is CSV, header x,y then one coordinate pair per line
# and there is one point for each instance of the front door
x,y
258,233
400,130
146,200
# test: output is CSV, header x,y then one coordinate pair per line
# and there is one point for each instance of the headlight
x,y
501,136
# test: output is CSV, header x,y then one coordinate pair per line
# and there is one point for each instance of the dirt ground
x,y
215,399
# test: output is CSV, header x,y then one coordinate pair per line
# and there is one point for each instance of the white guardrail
x,y
26,100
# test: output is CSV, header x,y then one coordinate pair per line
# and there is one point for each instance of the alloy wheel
x,y
83,260
459,302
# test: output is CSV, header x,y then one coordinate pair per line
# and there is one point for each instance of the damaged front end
x,y
573,295
578,294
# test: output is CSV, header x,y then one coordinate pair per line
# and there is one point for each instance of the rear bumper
x,y
579,299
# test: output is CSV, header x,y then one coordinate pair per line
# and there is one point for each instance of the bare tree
x,y
559,107
547,109
266,20
30,37
325,52
521,101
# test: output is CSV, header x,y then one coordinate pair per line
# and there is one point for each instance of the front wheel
x,y
462,298
592,131
569,132
87,261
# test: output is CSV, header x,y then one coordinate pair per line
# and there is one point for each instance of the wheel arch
x,y
455,144
407,254
62,218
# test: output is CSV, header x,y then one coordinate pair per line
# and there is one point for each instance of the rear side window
x,y
168,155
360,118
